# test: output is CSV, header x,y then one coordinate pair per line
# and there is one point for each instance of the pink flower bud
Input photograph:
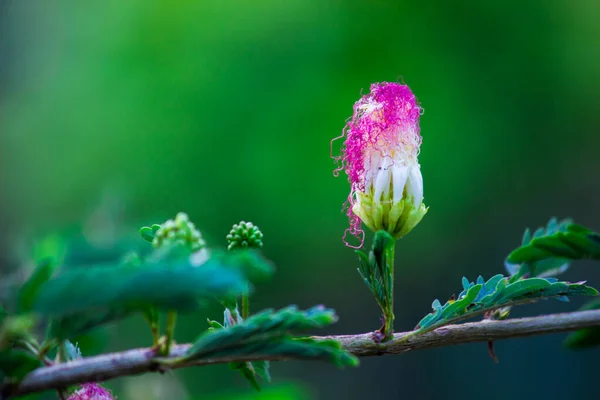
x,y
379,156
91,391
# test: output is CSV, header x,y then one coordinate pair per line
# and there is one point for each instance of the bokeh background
x,y
117,114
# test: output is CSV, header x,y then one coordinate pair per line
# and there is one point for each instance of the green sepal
x,y
397,218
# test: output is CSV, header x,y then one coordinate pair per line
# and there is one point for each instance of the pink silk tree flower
x,y
379,155
91,391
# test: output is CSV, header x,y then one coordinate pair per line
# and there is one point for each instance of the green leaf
x,y
498,292
587,337
53,247
261,367
251,370
459,306
82,298
147,233
16,327
376,269
579,289
364,268
165,284
383,244
523,287
493,292
28,292
565,240
15,364
548,264
271,334
79,323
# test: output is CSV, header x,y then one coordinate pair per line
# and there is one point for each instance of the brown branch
x,y
137,361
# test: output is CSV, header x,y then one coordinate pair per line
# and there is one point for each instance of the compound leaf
x,y
499,292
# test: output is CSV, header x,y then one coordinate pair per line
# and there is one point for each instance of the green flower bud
x,y
181,230
244,235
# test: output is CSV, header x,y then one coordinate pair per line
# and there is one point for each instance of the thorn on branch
x,y
492,352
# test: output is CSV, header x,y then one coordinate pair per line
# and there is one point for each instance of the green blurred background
x,y
115,114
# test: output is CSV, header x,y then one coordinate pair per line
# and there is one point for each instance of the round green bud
x,y
244,235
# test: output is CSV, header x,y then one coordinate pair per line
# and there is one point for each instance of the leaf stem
x,y
30,346
171,320
245,306
44,348
151,316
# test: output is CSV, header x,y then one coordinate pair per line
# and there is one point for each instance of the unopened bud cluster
x,y
180,230
244,235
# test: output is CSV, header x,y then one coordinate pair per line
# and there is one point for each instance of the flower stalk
x,y
387,331
377,271
244,235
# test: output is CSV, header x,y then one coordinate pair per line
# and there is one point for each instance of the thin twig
x,y
137,361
